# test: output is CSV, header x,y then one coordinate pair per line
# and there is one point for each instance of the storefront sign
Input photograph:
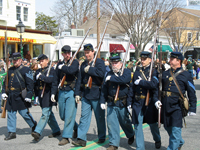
x,y
13,39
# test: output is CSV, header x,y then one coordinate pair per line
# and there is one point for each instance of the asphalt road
x,y
24,140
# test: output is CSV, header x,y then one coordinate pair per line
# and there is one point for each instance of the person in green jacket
x,y
190,67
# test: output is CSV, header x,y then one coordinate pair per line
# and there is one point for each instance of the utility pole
x,y
98,26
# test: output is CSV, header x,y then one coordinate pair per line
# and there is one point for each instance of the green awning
x,y
165,48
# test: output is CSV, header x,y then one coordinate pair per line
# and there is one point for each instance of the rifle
x,y
74,56
3,115
42,94
123,66
89,83
151,66
160,85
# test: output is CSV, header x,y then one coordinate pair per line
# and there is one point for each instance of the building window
x,y
18,12
79,33
37,50
197,36
25,14
189,37
1,7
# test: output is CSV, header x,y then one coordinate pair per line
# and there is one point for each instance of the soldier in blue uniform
x,y
117,113
19,78
90,97
171,114
42,79
136,100
66,100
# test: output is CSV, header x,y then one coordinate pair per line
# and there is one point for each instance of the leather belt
x,y
68,82
111,98
167,93
139,97
93,85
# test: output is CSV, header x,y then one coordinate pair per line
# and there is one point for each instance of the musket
x,y
42,94
160,85
122,71
89,83
3,115
151,66
74,56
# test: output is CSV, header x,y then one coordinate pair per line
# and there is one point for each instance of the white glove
x,y
4,96
191,114
103,106
158,104
53,98
86,69
37,77
129,108
108,78
77,98
138,80
60,66
36,99
28,100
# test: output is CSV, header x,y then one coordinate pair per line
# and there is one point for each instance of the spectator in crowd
x,y
198,71
28,56
2,71
190,68
130,66
184,64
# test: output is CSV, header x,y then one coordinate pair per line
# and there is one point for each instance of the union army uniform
x,y
117,113
43,81
136,99
171,114
19,78
66,101
90,99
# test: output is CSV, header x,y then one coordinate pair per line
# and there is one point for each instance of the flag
x,y
151,48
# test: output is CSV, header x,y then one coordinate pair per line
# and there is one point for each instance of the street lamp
x,y
20,29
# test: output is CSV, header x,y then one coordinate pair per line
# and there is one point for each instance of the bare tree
x,y
141,17
182,29
73,11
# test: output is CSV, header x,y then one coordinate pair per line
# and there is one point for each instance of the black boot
x,y
11,135
36,136
33,128
158,144
131,140
75,134
79,142
54,134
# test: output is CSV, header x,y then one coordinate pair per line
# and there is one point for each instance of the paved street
x,y
24,140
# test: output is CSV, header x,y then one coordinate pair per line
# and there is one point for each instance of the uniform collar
x,y
177,69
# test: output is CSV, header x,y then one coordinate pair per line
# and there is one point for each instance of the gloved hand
x,y
103,106
60,66
28,100
129,108
37,77
158,104
86,69
53,98
4,96
108,78
138,80
77,98
191,114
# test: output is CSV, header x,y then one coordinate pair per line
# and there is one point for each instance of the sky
x,y
45,6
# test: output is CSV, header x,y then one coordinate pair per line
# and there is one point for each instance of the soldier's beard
x,y
115,69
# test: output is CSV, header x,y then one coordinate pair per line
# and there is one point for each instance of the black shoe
x,y
54,134
36,136
79,142
101,141
158,144
75,134
33,128
11,135
111,147
131,140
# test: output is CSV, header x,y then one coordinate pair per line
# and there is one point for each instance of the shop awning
x,y
117,48
13,36
165,48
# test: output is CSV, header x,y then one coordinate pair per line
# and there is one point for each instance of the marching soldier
x,y
90,99
42,79
171,114
19,78
136,100
66,100
117,113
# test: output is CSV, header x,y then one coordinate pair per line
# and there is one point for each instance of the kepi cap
x,y
145,54
42,56
177,55
88,47
66,48
16,56
115,57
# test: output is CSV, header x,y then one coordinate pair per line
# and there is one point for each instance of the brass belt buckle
x,y
169,94
65,82
41,87
142,97
12,88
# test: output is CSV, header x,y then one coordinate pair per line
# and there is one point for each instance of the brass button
x,y
168,88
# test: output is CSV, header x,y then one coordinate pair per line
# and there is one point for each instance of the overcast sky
x,y
45,6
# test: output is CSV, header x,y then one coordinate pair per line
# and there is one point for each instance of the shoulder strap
x,y
18,73
142,75
176,83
